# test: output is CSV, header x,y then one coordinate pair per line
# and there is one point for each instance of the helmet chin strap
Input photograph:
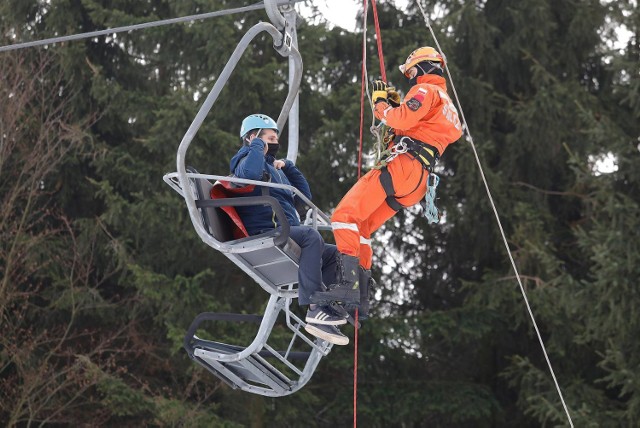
x,y
248,138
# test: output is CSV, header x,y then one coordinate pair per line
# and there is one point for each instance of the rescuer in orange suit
x,y
421,129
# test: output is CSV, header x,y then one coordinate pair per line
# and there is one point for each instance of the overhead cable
x,y
53,40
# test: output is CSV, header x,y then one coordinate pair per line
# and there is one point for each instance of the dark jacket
x,y
251,163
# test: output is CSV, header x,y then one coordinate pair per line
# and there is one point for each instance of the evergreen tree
x,y
102,272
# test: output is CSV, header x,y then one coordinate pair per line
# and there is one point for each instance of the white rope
x,y
53,40
495,212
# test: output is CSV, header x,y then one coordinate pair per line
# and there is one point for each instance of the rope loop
x,y
430,210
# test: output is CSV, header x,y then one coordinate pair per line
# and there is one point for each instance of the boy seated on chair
x,y
256,160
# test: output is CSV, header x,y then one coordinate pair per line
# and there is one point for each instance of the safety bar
x,y
281,238
172,177
168,179
284,50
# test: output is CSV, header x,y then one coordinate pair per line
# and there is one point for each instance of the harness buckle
x,y
397,149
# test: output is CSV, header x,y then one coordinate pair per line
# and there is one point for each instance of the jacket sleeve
x,y
415,106
251,166
296,178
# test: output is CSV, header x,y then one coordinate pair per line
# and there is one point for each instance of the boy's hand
x,y
278,164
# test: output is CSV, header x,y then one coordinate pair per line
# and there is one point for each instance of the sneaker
x,y
323,315
329,333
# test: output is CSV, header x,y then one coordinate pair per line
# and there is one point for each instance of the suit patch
x,y
420,95
414,104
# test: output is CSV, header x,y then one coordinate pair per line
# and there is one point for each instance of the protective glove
x,y
379,91
393,97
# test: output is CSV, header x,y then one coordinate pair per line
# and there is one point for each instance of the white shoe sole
x,y
341,321
331,338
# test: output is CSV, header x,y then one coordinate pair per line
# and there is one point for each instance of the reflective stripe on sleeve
x,y
336,225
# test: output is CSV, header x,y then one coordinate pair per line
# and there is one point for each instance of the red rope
x,y
355,374
362,92
383,72
362,89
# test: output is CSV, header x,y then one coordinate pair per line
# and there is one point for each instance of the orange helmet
x,y
425,53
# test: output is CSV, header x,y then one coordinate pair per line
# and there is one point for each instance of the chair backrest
x,y
225,189
216,220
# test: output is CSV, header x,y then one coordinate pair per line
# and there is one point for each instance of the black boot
x,y
346,289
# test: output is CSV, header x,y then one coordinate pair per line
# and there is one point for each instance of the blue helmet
x,y
257,121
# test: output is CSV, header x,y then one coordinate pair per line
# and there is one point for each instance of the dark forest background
x,y
101,272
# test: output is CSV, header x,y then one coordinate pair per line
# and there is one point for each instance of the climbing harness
x,y
424,153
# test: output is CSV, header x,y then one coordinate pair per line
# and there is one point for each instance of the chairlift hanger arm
x,y
284,50
271,6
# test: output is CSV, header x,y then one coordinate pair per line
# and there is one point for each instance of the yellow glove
x,y
393,97
379,91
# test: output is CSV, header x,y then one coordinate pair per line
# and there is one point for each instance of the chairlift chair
x,y
270,259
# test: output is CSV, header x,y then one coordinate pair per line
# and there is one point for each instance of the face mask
x,y
272,149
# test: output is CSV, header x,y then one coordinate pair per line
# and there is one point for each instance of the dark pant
x,y
317,262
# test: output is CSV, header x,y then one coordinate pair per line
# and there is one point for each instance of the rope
x,y
377,131
383,72
430,209
497,216
363,87
53,40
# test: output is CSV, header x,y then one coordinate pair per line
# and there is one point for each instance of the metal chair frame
x,y
269,259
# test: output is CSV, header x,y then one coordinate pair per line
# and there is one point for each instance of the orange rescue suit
x,y
427,115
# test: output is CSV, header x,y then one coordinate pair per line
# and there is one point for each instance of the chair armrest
x,y
281,238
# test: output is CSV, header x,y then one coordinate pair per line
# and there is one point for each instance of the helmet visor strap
x,y
247,137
